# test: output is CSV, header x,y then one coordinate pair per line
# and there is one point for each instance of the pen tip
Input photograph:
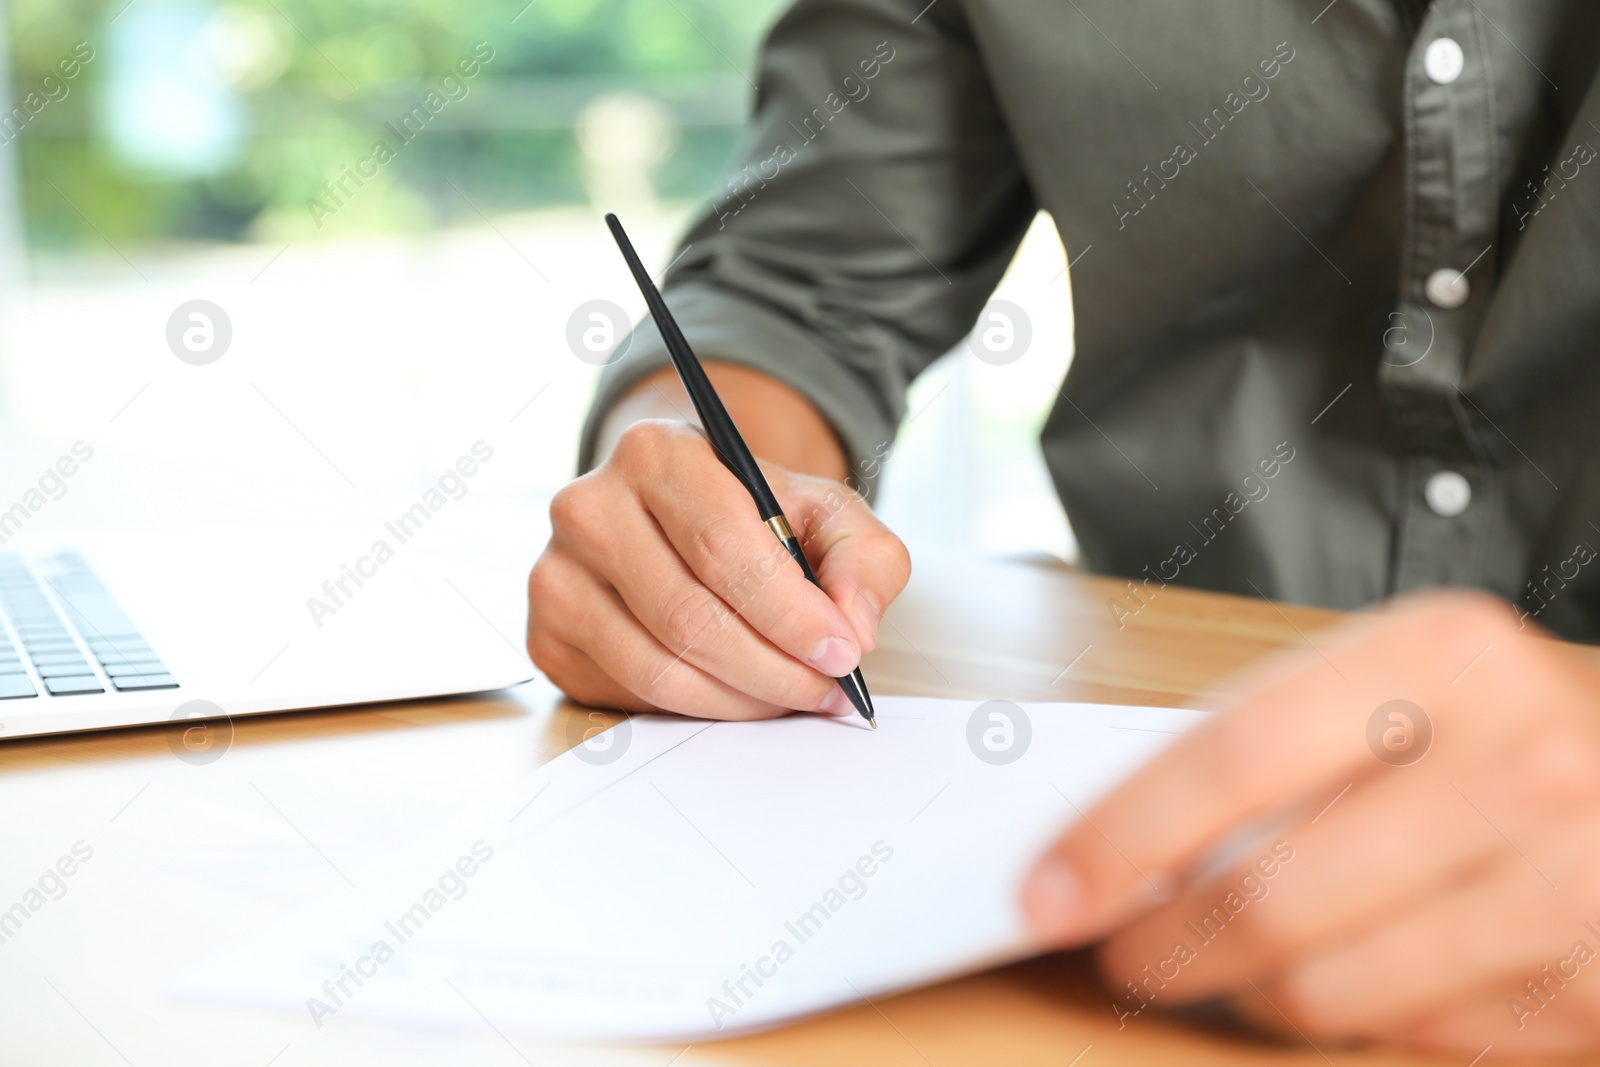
x,y
874,723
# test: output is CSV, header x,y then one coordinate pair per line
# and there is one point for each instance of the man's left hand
x,y
1437,879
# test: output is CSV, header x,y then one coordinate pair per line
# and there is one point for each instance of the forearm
x,y
780,425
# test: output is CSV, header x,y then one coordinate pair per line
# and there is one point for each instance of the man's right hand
x,y
662,589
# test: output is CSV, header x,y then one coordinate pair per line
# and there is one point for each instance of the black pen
x,y
727,442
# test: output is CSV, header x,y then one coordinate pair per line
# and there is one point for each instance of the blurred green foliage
x,y
314,81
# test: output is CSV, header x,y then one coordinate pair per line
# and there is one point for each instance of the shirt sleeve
x,y
874,205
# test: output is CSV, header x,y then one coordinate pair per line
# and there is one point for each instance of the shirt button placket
x,y
1451,211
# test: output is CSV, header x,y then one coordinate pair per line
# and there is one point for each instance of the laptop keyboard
x,y
85,645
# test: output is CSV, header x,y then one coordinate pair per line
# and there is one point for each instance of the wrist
x,y
777,421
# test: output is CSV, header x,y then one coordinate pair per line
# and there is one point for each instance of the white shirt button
x,y
1443,60
1447,288
1447,494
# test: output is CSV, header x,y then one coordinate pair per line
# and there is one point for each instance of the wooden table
x,y
81,984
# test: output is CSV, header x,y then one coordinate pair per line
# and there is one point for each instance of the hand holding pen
x,y
729,445
663,589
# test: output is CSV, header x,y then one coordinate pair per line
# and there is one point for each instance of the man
x,y
1350,248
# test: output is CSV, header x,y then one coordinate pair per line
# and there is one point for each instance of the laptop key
x,y
122,655
16,685
148,681
148,665
141,656
126,670
64,670
136,644
73,685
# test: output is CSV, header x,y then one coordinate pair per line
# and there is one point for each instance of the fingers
x,y
1468,972
861,564
660,555
582,679
600,654
1445,952
691,622
714,528
1410,894
1512,1027
1422,830
1299,733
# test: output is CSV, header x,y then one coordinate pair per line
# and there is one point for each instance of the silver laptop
x,y
157,628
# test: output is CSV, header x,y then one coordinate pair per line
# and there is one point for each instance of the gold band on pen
x,y
780,526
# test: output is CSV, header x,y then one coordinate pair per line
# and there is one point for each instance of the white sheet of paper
x,y
713,878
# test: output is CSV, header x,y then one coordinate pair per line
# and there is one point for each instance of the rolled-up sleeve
x,y
874,205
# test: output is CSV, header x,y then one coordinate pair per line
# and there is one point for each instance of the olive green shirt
x,y
1336,271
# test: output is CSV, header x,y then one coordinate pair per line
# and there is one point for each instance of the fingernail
x,y
835,657
1052,897
836,703
868,614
